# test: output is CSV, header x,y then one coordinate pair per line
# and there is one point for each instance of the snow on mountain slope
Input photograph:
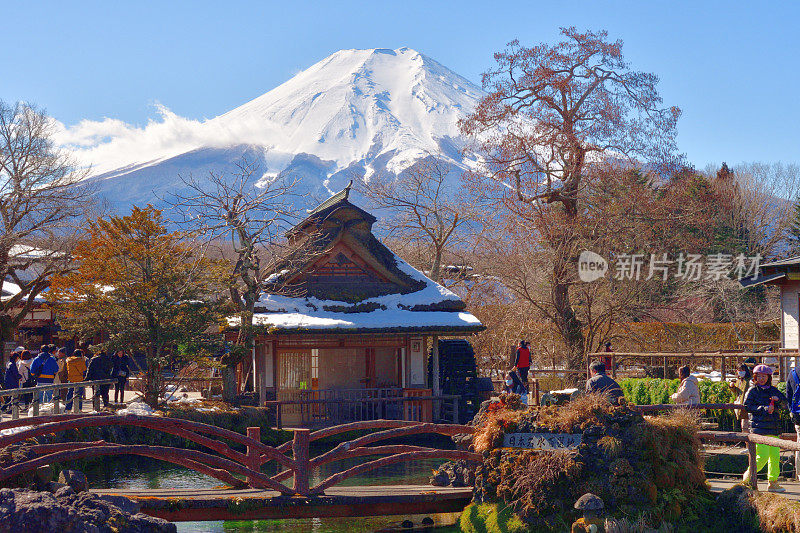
x,y
353,113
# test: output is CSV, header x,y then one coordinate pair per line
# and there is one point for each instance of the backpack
x,y
794,401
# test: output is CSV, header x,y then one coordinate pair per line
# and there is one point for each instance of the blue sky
x,y
731,66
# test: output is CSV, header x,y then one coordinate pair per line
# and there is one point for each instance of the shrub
x,y
654,391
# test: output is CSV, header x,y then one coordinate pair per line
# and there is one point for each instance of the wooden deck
x,y
178,505
792,487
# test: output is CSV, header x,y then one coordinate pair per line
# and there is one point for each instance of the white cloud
x,y
110,144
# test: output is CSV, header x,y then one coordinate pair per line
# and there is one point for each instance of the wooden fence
x,y
724,360
14,395
750,439
337,410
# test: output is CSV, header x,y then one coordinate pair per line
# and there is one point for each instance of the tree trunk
x,y
569,324
229,390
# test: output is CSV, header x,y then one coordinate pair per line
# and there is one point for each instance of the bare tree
x,y
250,216
552,112
758,204
40,202
424,209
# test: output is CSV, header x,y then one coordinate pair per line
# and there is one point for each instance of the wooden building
x,y
785,274
344,318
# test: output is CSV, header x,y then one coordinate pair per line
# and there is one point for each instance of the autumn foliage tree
x,y
148,289
553,113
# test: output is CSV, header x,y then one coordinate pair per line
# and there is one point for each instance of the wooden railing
x,y
727,359
337,410
36,391
230,463
750,439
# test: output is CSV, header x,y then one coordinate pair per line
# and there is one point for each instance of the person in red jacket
x,y
522,361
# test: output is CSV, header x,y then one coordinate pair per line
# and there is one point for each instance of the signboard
x,y
542,441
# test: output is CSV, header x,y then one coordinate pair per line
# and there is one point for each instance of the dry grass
x,y
640,526
611,446
767,512
587,409
544,482
496,423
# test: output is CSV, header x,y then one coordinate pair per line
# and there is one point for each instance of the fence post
x,y
278,421
15,407
752,469
96,398
75,400
57,401
36,402
455,409
301,463
253,455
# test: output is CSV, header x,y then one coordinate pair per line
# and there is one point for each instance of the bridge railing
x,y
16,394
231,463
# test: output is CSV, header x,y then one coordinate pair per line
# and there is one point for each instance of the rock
x,y
124,504
25,511
453,474
75,479
44,475
55,486
64,491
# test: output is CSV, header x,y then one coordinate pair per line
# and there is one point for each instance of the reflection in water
x,y
140,473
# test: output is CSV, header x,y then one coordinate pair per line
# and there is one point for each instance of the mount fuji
x,y
351,115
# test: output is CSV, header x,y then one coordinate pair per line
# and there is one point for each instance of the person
x,y
739,387
24,367
121,372
793,395
606,359
61,377
522,361
100,368
12,378
599,383
76,370
771,361
44,369
515,385
688,392
763,402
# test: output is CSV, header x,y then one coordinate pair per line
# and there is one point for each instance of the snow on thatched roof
x,y
382,292
432,308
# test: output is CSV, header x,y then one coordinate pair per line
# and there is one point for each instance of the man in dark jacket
x,y
599,383
100,368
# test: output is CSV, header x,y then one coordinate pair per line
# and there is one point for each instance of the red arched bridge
x,y
253,494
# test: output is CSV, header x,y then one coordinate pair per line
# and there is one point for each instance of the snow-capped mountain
x,y
352,114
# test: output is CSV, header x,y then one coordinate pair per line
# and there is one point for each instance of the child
x,y
762,401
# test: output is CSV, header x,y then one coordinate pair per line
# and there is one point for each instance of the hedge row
x,y
653,391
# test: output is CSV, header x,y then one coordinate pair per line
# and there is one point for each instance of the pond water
x,y
139,473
